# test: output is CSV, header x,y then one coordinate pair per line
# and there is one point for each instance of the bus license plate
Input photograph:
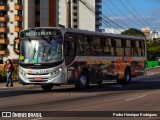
x,y
38,79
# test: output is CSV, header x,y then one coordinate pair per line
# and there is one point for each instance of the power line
x,y
93,12
123,13
115,14
104,17
131,12
138,13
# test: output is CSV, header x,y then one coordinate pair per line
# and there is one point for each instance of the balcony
x,y
18,7
3,7
4,19
17,29
98,6
3,52
3,30
3,41
18,18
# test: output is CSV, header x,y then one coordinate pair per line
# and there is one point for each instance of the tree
x,y
153,46
133,32
153,49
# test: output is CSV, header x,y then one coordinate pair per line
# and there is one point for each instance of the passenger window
x,y
137,44
119,49
69,47
128,50
96,46
83,45
118,42
128,43
107,46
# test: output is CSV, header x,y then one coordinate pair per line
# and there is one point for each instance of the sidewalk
x,y
153,71
16,85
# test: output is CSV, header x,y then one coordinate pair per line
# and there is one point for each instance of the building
x,y
113,30
155,35
16,15
147,32
84,14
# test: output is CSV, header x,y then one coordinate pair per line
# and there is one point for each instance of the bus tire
x,y
83,81
99,82
47,87
127,77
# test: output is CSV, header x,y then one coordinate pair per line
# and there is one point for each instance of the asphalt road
x,y
143,94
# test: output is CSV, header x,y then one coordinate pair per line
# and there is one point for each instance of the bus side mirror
x,y
16,46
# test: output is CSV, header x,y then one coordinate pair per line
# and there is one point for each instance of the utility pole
x,y
68,13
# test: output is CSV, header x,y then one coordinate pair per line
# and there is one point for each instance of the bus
x,y
51,56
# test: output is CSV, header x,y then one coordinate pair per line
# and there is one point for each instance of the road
x,y
143,94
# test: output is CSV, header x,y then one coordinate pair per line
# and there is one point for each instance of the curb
x,y
152,68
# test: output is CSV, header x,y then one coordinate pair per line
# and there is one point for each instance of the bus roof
x,y
91,32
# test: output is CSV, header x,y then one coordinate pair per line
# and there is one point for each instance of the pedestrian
x,y
9,69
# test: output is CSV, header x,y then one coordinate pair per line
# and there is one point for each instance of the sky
x,y
133,13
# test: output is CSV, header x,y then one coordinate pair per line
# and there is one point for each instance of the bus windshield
x,y
41,50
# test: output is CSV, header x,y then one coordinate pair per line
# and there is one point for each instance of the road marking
x,y
134,98
116,86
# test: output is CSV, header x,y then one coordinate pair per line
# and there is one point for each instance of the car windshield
x,y
42,50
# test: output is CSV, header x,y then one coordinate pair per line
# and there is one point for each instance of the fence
x,y
14,74
151,64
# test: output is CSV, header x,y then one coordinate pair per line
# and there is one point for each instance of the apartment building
x,y
85,14
16,15
147,32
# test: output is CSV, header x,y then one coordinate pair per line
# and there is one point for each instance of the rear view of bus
x,y
41,57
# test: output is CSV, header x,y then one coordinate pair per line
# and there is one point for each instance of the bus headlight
x,y
22,72
56,72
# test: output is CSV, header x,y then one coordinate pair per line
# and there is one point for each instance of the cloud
x,y
118,18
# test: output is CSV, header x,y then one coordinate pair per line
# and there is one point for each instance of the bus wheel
x,y
99,82
83,81
127,76
47,87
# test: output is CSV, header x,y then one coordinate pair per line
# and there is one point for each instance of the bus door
x,y
70,53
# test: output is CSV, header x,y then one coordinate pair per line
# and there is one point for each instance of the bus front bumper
x,y
59,79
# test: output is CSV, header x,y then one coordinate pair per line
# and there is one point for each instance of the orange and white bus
x,y
51,56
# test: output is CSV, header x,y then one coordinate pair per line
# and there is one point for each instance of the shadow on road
x,y
142,84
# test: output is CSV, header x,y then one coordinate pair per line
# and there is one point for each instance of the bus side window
x,y
107,46
142,47
138,47
134,49
128,51
119,48
96,46
83,45
69,48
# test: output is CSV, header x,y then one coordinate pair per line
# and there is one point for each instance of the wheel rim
x,y
128,77
83,80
